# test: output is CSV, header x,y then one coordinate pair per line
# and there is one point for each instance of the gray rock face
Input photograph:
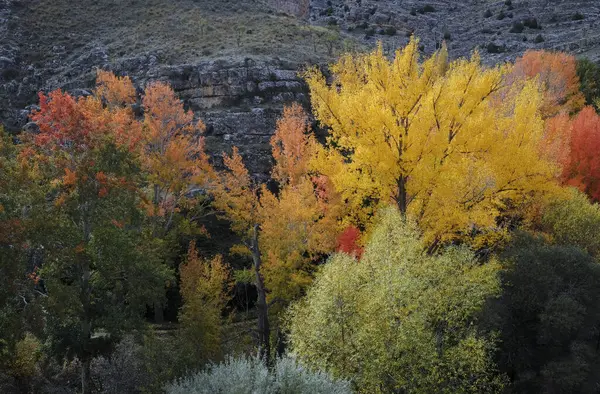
x,y
566,25
240,98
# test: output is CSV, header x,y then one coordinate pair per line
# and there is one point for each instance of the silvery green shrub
x,y
251,376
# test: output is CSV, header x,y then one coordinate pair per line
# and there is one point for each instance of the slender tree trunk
x,y
401,198
86,377
262,307
159,317
86,324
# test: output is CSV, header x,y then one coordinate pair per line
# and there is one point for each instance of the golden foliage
x,y
205,287
297,222
430,137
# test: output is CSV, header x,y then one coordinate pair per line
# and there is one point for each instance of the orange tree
x,y
98,271
176,168
556,72
283,230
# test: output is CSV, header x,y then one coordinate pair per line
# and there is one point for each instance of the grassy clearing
x,y
179,30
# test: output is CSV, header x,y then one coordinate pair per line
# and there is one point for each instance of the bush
x,y
390,31
578,16
243,375
574,221
27,354
531,23
487,14
539,39
494,48
517,27
123,371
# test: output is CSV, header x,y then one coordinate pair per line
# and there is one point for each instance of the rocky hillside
x,y
501,29
235,62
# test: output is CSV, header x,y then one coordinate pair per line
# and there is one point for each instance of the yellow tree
x,y
431,137
205,286
283,231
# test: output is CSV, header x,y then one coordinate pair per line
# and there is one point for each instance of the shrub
x,y
501,16
494,48
123,371
390,31
487,14
27,353
517,27
578,16
538,39
531,23
250,375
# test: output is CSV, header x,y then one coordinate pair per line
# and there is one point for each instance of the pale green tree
x,y
399,320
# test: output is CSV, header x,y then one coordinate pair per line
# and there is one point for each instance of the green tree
x,y
548,316
99,271
589,78
399,320
19,310
575,221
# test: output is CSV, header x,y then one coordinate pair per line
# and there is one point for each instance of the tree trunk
x,y
159,316
401,198
264,334
86,323
86,378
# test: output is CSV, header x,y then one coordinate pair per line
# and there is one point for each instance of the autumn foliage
x,y
580,137
205,286
348,242
386,236
172,155
298,222
430,137
557,74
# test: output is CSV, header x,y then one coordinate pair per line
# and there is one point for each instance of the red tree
x,y
347,242
582,165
